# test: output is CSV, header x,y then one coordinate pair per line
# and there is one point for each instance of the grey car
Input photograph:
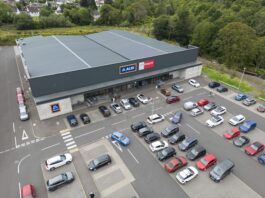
x,y
99,162
23,113
249,101
221,170
210,106
59,181
116,107
177,88
169,131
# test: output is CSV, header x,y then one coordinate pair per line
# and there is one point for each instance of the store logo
x,y
55,108
128,68
146,64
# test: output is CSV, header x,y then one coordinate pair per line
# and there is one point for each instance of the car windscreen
x,y
204,161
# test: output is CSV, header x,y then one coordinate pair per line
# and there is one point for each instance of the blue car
x,y
261,158
119,137
247,126
72,120
240,97
176,118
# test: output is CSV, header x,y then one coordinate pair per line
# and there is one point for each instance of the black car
x,y
196,153
241,141
213,84
177,88
84,117
59,181
166,153
72,120
151,137
104,110
221,89
134,102
178,137
138,125
169,131
99,162
145,131
188,143
210,106
221,170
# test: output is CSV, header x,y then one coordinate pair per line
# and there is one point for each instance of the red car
x,y
175,164
28,191
20,99
206,162
254,148
202,102
19,91
172,99
232,134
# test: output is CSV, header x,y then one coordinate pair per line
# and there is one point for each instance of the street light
x,y
241,78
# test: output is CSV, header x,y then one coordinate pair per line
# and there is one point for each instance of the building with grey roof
x,y
63,70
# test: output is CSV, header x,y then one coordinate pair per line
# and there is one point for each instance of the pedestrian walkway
x,y
69,141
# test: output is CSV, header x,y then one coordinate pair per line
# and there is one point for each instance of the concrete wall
x,y
45,110
77,99
192,72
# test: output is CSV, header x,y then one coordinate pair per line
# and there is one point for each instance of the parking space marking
x,y
193,128
15,141
117,145
157,108
202,93
19,188
14,129
141,114
133,156
118,122
20,161
184,99
50,146
78,136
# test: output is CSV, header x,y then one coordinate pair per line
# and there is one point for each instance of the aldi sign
x,y
55,108
128,68
146,64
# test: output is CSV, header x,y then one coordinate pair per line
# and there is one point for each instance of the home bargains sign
x,y
146,64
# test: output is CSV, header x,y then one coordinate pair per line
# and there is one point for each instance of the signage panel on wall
x,y
146,64
55,108
128,68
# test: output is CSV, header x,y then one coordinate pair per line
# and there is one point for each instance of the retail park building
x,y
64,70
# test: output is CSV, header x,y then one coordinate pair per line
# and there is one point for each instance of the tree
x,y
45,11
161,27
260,53
53,20
6,14
85,16
108,1
24,22
88,3
109,15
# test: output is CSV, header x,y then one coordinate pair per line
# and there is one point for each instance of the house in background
x,y
33,10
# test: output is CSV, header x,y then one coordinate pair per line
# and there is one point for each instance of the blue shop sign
x,y
55,108
128,68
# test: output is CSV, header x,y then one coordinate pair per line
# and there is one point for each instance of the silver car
x,y
115,107
23,113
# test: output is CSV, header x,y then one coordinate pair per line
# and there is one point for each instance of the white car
x,y
155,118
116,107
194,83
220,110
158,145
57,161
125,104
23,113
197,111
142,98
187,174
214,121
238,119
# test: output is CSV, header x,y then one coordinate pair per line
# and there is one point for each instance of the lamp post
x,y
241,78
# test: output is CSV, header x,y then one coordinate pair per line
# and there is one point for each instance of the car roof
x,y
53,159
199,148
239,116
225,164
250,122
117,133
190,139
56,179
209,156
26,190
103,157
154,116
157,143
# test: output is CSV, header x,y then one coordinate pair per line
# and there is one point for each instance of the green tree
x,y
88,3
85,16
161,27
6,14
45,11
260,53
24,22
109,15
53,20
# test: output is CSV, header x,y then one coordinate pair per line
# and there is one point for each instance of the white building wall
x,y
192,72
45,110
78,99
175,74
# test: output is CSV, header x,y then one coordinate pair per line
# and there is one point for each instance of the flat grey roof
x,y
59,54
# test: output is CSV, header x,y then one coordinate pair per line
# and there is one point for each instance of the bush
x,y
54,21
24,22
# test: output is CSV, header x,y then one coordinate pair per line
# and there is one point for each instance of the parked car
x,y
187,174
187,143
138,125
206,162
238,119
254,148
58,161
196,152
221,170
116,107
72,120
104,110
84,117
247,126
125,104
142,98
214,121
177,88
158,145
189,105
178,137
176,118
145,131
213,84
249,101
151,137
241,141
165,92
155,118
197,111
222,89
175,163
220,110
202,102
261,158
134,102
232,133
210,106
28,191
169,131
261,108
23,113
99,162
59,181
165,153
172,99
194,83
19,91
121,138
240,97
20,99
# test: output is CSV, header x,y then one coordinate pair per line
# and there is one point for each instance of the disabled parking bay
x,y
113,180
71,190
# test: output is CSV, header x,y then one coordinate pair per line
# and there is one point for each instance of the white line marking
x,y
133,156
89,132
124,129
203,93
118,122
138,115
68,140
118,146
19,188
14,129
24,135
70,147
68,136
70,143
15,142
64,130
157,108
187,98
1,152
19,74
50,146
193,129
66,133
32,141
21,161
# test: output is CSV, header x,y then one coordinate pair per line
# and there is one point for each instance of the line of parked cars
x,y
23,112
